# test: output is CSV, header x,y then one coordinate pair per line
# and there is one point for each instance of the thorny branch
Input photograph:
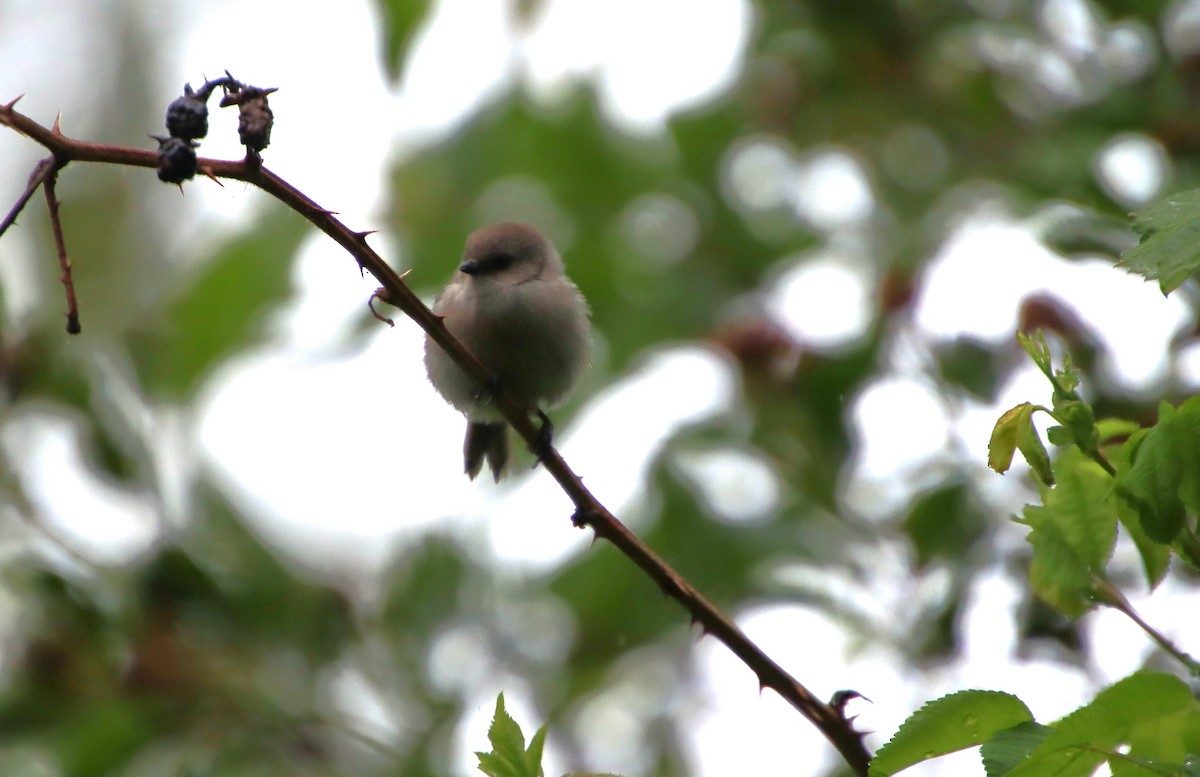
x,y
43,170
829,719
64,262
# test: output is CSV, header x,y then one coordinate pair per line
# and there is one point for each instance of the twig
x,y
42,171
1110,595
64,262
588,510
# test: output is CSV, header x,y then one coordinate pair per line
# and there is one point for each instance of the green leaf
x,y
1169,250
1078,422
944,523
1072,533
951,723
1156,557
509,758
401,20
1031,447
1015,431
1163,482
1008,748
1167,741
1038,350
1144,698
221,311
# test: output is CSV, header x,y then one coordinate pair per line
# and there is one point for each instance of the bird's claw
x,y
544,443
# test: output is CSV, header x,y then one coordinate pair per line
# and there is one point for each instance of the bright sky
x,y
321,506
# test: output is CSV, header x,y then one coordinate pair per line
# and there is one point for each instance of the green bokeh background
x,y
210,655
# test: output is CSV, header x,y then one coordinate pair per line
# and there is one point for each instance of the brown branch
x,y
44,169
1108,594
64,262
829,719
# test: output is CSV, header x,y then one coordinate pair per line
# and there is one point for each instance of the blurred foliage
x,y
210,656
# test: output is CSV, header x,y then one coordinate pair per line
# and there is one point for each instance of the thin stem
x,y
588,510
64,262
44,169
1109,595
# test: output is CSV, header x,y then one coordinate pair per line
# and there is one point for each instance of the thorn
x,y
57,128
180,185
404,274
208,173
327,212
362,236
15,100
840,699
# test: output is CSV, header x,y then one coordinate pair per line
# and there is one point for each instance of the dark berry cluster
x,y
254,115
187,116
187,122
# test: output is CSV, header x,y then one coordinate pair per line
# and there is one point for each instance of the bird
x,y
512,305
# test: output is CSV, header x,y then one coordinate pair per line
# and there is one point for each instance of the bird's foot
x,y
544,443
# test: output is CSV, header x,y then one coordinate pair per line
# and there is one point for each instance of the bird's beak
x,y
470,267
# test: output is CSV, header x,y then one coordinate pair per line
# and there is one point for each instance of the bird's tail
x,y
485,441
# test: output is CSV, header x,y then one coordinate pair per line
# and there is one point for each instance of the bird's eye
x,y
499,262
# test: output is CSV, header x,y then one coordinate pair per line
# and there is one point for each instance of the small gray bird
x,y
512,305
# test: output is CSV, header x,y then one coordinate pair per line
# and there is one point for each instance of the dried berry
x,y
187,116
255,118
176,159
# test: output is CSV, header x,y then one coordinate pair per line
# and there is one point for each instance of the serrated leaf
x,y
1156,556
1167,741
1008,748
1162,481
1133,766
948,724
508,757
1142,698
1169,250
1072,533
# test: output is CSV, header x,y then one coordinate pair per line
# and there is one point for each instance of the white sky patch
x,y
734,724
901,426
1132,169
830,189
822,301
645,65
461,58
756,172
737,486
90,513
294,439
615,438
335,119
976,283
